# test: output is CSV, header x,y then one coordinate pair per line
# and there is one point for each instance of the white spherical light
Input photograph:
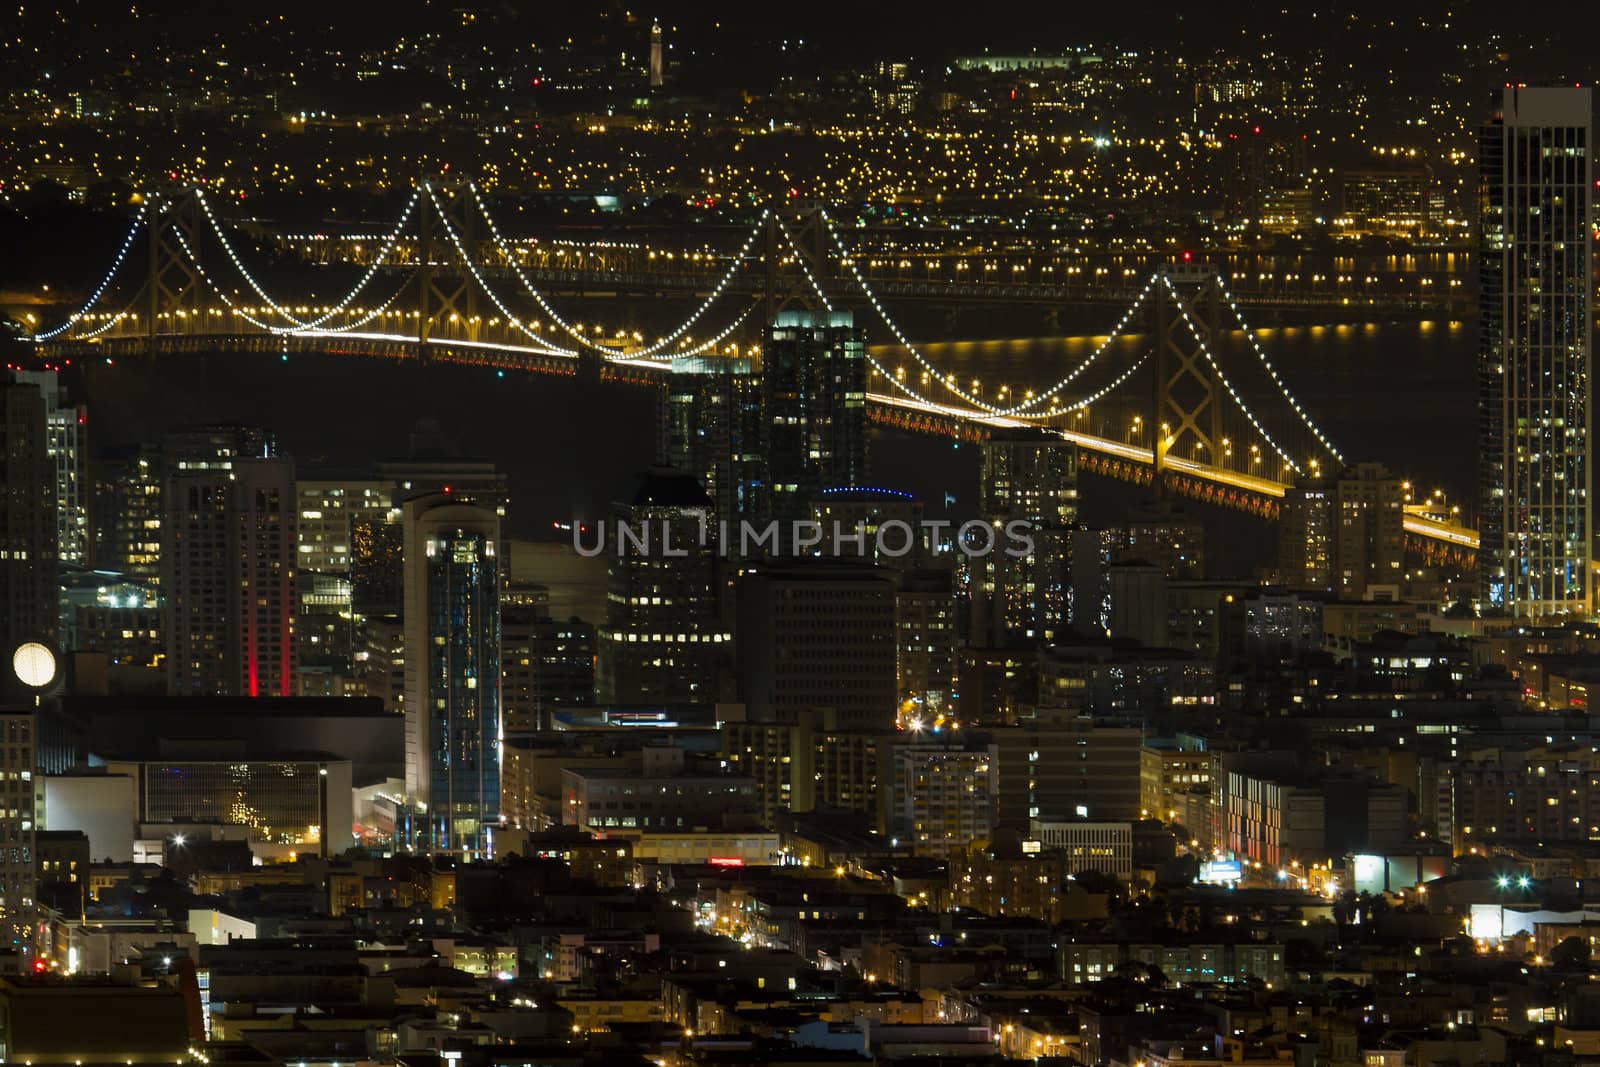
x,y
34,665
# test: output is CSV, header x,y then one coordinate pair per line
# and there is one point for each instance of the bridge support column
x,y
1187,406
174,287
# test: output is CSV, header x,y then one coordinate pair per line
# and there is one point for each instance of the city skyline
x,y
823,535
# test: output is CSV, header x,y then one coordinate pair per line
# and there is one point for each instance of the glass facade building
x,y
1536,201
453,674
814,384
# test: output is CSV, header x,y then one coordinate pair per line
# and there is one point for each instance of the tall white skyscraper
x,y
1535,360
452,673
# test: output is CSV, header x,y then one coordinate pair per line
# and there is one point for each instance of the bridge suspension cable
x,y
661,344
1266,362
1199,337
1021,410
466,258
105,283
339,306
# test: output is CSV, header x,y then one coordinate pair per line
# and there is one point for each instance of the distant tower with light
x,y
655,56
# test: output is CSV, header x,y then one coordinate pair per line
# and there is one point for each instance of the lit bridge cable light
x,y
341,305
1023,409
105,283
511,316
660,344
1261,354
1205,350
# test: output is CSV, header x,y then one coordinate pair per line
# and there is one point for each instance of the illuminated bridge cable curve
x,y
280,331
339,306
1216,369
1021,410
828,305
1266,362
105,283
461,250
661,344
704,346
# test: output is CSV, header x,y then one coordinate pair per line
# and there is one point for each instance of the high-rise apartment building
x,y
925,644
128,513
1535,360
28,597
944,798
711,428
1369,541
1031,478
452,674
228,563
1306,535
66,430
19,778
814,390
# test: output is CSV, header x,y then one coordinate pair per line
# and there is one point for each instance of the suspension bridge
x,y
445,284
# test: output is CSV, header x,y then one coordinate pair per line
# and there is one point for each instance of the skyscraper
x,y
28,597
818,634
1031,477
814,391
127,513
1306,535
65,431
1535,363
228,563
663,641
711,428
452,673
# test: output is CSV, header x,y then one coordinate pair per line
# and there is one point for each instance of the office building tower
x,y
66,430
452,674
329,512
711,428
925,645
818,634
1306,535
19,778
1030,479
262,526
227,558
1535,361
128,513
1058,765
377,571
545,664
852,523
327,509
663,641
814,388
1369,541
28,598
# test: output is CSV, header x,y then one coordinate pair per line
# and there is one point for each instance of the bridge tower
x,y
782,288
174,285
1187,414
447,297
